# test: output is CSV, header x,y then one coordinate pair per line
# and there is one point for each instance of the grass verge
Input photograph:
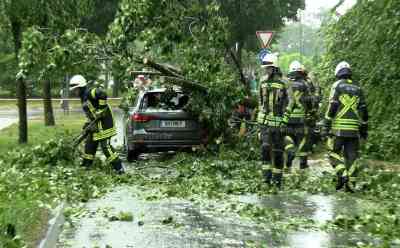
x,y
38,104
36,177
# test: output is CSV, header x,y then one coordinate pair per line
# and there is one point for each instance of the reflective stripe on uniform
x,y
340,168
336,156
352,169
266,167
349,103
93,93
278,86
113,157
87,156
102,102
105,134
276,171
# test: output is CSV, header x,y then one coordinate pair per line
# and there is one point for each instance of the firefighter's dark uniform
x,y
273,102
298,110
94,103
347,115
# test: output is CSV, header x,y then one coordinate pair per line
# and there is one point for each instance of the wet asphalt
x,y
193,225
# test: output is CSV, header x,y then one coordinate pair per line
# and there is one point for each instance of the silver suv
x,y
158,122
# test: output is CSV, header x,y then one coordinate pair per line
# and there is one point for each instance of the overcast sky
x,y
314,6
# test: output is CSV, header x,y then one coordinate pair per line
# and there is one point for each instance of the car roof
x,y
160,90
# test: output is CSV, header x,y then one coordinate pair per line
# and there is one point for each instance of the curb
x,y
54,230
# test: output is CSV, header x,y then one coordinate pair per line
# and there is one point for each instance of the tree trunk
x,y
48,107
21,85
23,118
116,87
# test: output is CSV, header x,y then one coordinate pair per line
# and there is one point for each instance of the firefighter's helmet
x,y
77,81
342,69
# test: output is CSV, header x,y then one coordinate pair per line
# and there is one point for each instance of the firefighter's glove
x,y
364,131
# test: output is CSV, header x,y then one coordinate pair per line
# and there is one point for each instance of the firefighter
x,y
297,113
347,120
272,103
94,104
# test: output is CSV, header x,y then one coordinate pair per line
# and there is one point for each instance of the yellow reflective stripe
x,y
349,103
278,86
344,128
289,147
87,156
289,139
272,124
107,131
112,157
352,179
105,134
302,154
336,156
276,171
340,167
102,102
91,108
93,93
352,169
266,167
302,143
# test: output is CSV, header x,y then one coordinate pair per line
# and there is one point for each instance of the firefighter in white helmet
x,y
297,112
95,106
273,99
346,121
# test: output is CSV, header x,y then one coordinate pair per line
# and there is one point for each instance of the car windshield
x,y
159,101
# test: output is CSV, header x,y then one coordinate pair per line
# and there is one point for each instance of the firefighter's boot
x,y
341,182
277,180
268,176
118,167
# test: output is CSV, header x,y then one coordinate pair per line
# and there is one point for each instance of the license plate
x,y
173,124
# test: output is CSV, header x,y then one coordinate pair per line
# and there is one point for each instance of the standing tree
x,y
20,15
247,17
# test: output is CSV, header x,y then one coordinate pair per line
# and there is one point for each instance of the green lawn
x,y
39,175
38,133
37,104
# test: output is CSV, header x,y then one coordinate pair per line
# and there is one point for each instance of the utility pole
x,y
301,30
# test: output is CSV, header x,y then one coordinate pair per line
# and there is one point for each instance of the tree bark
x,y
16,29
116,87
23,117
47,104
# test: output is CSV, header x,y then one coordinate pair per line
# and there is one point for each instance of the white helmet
x,y
269,60
342,65
296,66
77,81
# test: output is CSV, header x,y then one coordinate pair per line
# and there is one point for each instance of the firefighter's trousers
x,y
343,152
297,145
273,138
91,149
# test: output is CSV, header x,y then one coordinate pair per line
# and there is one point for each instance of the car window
x,y
158,101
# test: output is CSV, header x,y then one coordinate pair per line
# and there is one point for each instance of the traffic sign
x,y
265,38
263,52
